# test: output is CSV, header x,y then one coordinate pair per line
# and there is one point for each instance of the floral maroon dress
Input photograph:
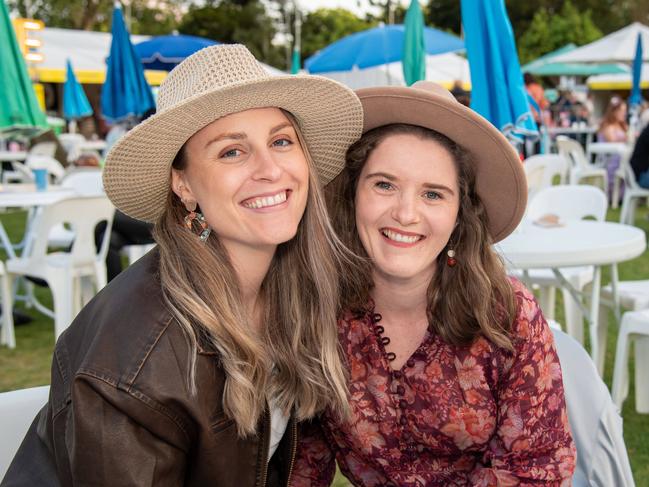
x,y
452,416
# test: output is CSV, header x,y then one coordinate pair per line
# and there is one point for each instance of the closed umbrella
x,y
166,52
414,48
636,95
75,101
376,46
18,104
498,92
125,93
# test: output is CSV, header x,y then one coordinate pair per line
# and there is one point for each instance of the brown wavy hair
x,y
474,298
295,360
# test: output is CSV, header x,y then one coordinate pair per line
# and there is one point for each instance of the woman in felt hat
x,y
454,377
191,367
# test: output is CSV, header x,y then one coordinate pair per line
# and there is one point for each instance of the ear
x,y
180,185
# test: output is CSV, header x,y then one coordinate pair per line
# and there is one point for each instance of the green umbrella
x,y
414,50
18,104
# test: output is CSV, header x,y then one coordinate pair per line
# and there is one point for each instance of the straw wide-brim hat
x,y
210,84
500,178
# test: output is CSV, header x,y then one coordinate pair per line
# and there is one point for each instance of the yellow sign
x,y
28,41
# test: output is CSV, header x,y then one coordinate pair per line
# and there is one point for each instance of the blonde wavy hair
x,y
296,359
472,299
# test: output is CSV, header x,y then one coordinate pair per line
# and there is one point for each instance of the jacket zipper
x,y
266,442
293,452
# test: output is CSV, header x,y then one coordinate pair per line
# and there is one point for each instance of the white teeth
x,y
266,201
398,237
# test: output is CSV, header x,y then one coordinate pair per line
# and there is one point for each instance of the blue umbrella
x,y
125,92
636,95
75,101
165,52
379,45
498,92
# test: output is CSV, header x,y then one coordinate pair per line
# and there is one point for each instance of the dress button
x,y
410,363
397,374
403,404
403,421
401,390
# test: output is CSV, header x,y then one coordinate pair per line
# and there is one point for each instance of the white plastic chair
x,y
632,190
541,171
567,202
84,182
72,144
634,327
580,169
63,271
17,412
7,335
596,425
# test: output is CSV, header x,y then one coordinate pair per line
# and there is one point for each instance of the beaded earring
x,y
195,221
450,256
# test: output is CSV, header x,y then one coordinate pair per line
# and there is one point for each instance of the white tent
x,y
619,46
621,81
88,52
441,68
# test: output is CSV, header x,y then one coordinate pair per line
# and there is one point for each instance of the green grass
x,y
29,363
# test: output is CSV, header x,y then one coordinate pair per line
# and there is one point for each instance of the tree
x,y
549,32
324,26
96,14
243,22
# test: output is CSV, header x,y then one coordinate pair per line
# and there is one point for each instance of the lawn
x,y
29,363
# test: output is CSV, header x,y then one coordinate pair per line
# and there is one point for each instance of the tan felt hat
x,y
500,178
214,82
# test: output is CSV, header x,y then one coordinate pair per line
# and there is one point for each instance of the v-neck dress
x,y
451,416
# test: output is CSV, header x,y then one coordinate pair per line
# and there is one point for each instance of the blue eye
x,y
231,153
283,142
432,195
383,185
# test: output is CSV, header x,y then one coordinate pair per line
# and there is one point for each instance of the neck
x,y
404,300
251,266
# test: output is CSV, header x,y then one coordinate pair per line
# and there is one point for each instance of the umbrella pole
x,y
72,126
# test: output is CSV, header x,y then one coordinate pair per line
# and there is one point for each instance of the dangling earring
x,y
450,256
195,221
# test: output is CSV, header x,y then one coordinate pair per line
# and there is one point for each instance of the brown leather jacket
x,y
120,412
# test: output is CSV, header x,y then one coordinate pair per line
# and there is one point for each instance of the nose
x,y
405,210
267,168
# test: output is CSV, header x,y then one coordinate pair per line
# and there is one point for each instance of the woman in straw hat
x,y
454,377
191,367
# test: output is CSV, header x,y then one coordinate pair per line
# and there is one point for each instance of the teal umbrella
x,y
18,104
414,49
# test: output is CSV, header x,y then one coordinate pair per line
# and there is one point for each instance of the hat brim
x,y
138,167
500,178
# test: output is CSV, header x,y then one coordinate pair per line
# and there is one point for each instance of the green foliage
x,y
324,26
146,17
243,22
549,32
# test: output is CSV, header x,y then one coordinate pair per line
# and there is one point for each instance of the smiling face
x,y
249,176
407,202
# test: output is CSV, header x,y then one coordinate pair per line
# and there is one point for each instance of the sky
x,y
359,7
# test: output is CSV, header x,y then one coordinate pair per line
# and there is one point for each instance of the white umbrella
x,y
619,46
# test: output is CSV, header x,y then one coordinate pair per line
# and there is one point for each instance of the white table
x,y
575,243
25,196
92,145
11,156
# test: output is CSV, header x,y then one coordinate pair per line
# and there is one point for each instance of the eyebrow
x,y
243,136
391,177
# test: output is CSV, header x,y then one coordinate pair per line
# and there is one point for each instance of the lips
x,y
401,237
266,201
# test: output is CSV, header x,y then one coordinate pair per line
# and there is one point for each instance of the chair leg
x,y
547,300
62,289
624,213
616,192
641,344
621,368
574,318
8,334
